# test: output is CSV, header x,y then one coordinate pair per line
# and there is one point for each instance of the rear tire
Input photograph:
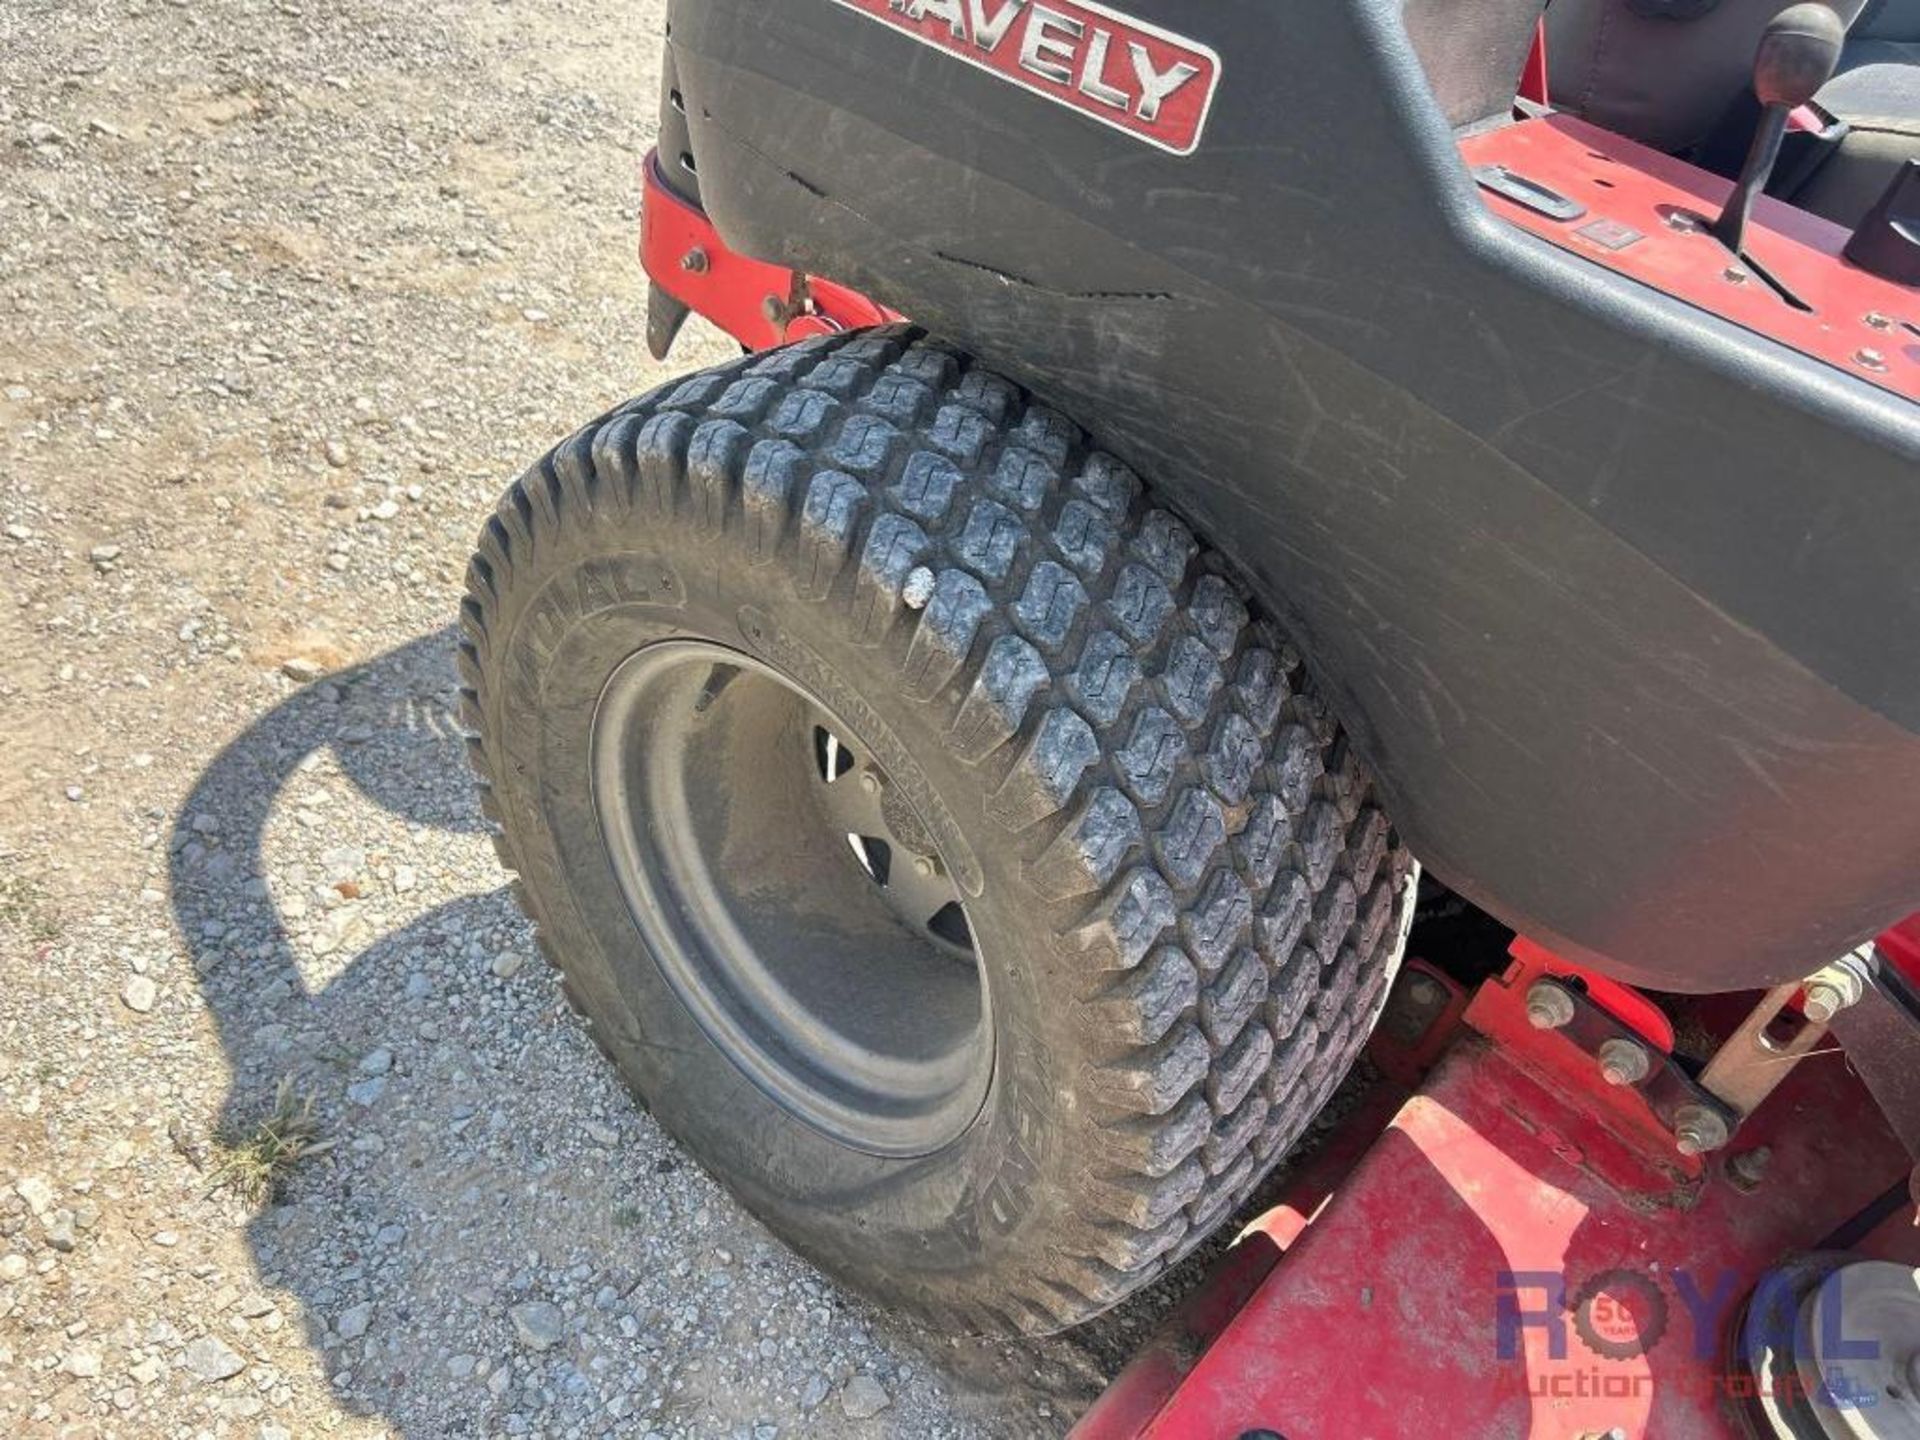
x,y
1181,905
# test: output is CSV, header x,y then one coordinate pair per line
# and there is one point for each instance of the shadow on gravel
x,y
500,1241
305,868
303,979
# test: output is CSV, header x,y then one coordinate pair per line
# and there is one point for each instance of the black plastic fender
x,y
1622,603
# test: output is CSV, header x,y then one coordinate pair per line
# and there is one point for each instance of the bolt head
x,y
1734,275
870,782
1876,321
1624,1062
1829,990
1425,991
1698,1130
1869,359
1749,1167
694,262
923,867
1549,1006
1823,1002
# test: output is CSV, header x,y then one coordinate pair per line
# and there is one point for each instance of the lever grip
x,y
1798,54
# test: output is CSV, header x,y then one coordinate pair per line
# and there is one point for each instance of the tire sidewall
x,y
952,1213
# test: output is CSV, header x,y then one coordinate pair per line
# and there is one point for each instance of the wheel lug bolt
x,y
923,867
870,783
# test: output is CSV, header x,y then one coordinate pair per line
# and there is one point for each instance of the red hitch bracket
x,y
760,304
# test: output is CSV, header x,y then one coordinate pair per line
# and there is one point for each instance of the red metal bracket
x,y
759,304
1418,1024
1623,1002
1640,1158
1533,80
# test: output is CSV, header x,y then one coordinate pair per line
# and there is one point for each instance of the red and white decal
x,y
1135,77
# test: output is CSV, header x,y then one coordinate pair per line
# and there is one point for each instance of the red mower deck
x,y
1514,1256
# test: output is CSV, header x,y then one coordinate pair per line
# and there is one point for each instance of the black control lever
x,y
1798,54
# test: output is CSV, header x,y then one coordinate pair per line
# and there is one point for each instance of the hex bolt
x,y
694,262
1870,359
1823,1002
1685,221
1698,1130
1876,321
1829,991
1734,275
1549,1006
1624,1062
1747,1169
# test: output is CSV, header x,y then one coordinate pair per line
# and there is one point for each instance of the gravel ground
x,y
287,292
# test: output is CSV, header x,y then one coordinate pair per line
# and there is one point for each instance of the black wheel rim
x,y
792,897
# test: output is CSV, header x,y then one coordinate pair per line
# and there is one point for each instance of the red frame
x,y
759,304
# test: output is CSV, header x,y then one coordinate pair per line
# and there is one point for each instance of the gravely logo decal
x,y
1153,85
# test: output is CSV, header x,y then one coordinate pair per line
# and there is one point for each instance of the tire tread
x,y
1232,897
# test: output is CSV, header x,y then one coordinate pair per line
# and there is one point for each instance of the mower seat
x,y
1877,92
1668,72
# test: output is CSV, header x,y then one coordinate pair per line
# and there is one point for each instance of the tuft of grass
x,y
255,1162
23,909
